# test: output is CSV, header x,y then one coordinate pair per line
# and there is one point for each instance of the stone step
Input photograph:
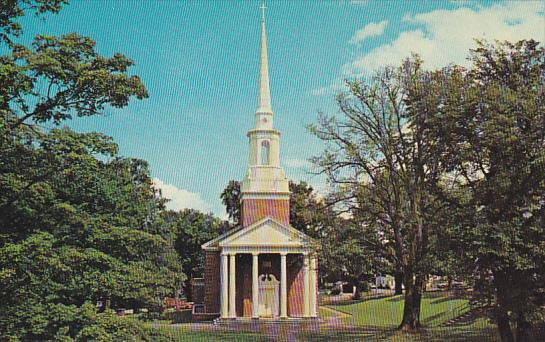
x,y
264,321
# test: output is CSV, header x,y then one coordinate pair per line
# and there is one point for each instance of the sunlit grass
x,y
374,319
387,312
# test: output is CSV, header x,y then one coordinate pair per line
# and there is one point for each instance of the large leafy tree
x,y
377,143
490,121
75,228
78,223
309,212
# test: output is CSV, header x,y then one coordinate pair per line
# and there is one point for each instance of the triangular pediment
x,y
264,233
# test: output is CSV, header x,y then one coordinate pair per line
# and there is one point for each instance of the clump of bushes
x,y
108,326
84,323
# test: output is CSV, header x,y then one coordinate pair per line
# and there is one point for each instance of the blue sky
x,y
199,62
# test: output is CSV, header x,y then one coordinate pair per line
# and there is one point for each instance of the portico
x,y
272,278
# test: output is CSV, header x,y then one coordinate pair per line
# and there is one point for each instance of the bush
x,y
60,322
182,316
108,326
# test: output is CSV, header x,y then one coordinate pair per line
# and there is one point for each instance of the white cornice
x,y
265,196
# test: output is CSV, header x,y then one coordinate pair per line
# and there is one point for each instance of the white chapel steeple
x,y
264,95
265,178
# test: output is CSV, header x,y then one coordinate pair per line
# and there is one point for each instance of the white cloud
x,y
369,30
445,36
181,198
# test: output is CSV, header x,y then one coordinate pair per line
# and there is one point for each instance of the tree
x,y
351,260
192,229
230,197
490,123
62,77
76,228
377,142
10,10
78,223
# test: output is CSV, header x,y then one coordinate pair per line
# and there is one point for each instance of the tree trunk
x,y
504,327
502,317
398,277
413,298
523,329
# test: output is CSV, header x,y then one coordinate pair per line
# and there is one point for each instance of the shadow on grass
x,y
446,315
441,299
343,333
351,302
397,298
332,332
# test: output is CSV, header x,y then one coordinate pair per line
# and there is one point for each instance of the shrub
x,y
108,326
181,316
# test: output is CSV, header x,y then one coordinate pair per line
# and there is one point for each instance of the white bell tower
x,y
265,179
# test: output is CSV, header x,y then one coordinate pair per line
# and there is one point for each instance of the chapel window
x,y
265,152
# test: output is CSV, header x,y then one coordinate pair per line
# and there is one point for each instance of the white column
x,y
283,287
306,286
232,287
224,286
255,286
313,294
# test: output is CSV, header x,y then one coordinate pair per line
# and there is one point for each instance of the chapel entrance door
x,y
269,290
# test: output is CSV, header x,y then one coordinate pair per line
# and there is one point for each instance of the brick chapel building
x,y
263,268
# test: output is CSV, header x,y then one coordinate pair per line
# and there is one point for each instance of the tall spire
x,y
264,97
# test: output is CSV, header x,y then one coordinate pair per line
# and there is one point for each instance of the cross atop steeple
x,y
263,8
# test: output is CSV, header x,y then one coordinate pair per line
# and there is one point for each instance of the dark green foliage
x,y
72,323
308,212
490,122
61,77
192,229
10,10
231,199
78,223
77,228
344,255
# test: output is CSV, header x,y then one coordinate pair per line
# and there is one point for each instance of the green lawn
x,y
374,319
387,312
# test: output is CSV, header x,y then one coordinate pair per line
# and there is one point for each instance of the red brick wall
x,y
256,209
212,281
